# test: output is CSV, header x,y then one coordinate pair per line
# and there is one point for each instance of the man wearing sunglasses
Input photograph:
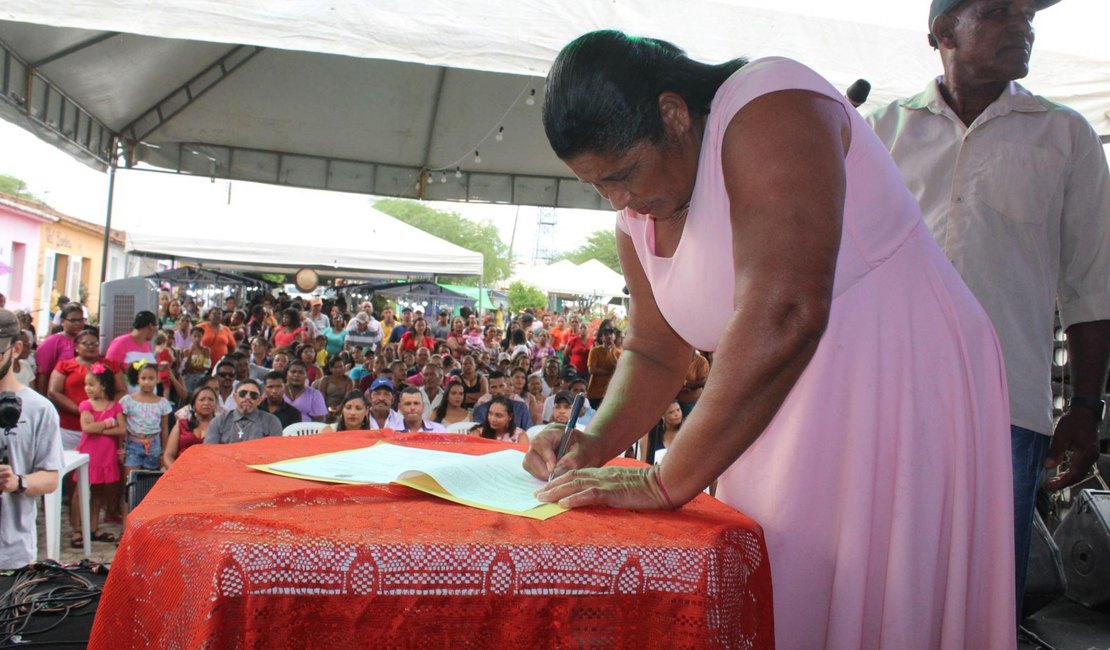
x,y
246,422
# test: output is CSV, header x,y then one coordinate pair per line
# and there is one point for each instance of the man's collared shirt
x,y
392,421
426,426
236,427
1020,203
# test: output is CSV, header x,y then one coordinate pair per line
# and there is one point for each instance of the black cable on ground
x,y
46,588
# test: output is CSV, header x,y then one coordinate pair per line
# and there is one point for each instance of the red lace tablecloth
x,y
222,556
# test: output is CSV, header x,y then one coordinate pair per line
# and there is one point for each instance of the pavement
x,y
101,552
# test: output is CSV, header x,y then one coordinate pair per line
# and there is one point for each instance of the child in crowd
x,y
165,357
197,364
145,414
102,424
320,344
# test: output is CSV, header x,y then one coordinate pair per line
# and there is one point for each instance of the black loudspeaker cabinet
x,y
1084,541
138,484
1044,578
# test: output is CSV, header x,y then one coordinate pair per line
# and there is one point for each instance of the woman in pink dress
x,y
857,404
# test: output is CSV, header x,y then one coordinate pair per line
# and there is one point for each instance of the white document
x,y
497,480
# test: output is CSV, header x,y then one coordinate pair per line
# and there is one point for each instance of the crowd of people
x,y
225,374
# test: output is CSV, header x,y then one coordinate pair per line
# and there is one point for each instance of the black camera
x,y
11,407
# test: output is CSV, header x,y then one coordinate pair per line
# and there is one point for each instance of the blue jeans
x,y
1028,450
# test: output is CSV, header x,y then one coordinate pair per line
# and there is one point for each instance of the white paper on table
x,y
497,480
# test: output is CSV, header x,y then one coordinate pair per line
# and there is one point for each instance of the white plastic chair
x,y
303,429
71,460
461,427
535,429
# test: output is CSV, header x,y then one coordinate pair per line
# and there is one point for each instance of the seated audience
x,y
382,415
309,401
191,431
275,404
451,410
496,422
354,414
246,422
411,407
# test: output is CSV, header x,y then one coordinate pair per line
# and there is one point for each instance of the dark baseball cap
x,y
940,7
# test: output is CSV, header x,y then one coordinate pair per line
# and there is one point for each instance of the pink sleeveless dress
x,y
883,483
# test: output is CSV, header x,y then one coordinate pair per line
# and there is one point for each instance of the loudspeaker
x,y
1084,541
138,484
1044,577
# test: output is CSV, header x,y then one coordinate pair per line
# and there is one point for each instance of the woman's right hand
x,y
583,450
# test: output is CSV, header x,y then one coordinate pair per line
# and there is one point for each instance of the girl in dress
x,y
102,425
147,427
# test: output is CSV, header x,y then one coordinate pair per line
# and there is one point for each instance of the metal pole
x,y
108,221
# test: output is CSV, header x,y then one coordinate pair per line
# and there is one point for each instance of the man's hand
x,y
9,481
1077,432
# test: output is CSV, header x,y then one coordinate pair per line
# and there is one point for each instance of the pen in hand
x,y
564,441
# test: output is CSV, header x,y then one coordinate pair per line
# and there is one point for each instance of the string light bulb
x,y
500,134
477,157
458,172
443,177
531,99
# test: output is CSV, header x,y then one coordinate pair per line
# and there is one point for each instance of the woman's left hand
x,y
632,488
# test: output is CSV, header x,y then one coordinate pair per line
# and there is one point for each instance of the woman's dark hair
x,y
294,316
517,337
341,423
106,378
441,410
606,327
503,400
522,371
193,423
602,93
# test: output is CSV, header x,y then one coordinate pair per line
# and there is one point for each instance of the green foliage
x,y
523,295
600,245
13,186
479,237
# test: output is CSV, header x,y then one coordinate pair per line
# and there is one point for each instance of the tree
x,y
479,237
600,245
13,186
523,295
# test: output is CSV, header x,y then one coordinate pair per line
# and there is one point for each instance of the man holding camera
x,y
30,453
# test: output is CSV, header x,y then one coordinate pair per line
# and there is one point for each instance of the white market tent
x,y
407,99
565,278
357,242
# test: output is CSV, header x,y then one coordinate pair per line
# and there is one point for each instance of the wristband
x,y
662,490
1096,406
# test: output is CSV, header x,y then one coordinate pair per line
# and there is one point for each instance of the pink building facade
x,y
20,233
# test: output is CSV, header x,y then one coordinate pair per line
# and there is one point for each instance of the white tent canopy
x,y
402,99
335,235
590,278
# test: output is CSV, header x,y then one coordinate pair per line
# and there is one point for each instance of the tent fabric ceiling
x,y
367,97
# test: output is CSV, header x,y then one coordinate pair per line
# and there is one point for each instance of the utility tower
x,y
544,250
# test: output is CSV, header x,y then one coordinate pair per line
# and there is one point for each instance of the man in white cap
x,y
363,333
1015,190
30,453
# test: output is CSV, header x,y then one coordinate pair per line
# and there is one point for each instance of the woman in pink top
x,y
857,405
